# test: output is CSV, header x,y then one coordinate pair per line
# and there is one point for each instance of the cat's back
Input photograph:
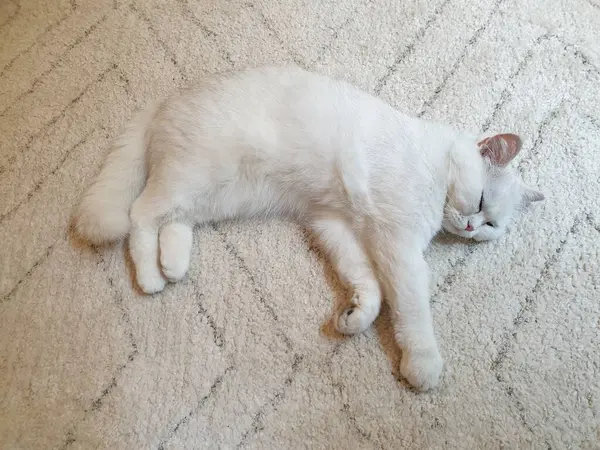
x,y
276,100
284,115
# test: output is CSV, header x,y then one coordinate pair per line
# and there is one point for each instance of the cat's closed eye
x,y
490,224
480,203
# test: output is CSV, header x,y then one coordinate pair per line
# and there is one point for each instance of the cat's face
x,y
481,203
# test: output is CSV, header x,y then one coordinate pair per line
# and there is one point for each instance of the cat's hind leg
x,y
354,269
147,212
176,239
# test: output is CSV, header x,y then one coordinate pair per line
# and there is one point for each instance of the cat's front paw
x,y
352,321
358,317
422,369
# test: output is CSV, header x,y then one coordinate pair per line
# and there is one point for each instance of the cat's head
x,y
485,191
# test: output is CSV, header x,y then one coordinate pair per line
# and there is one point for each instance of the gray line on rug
x,y
336,32
510,392
529,303
267,25
218,335
585,60
507,92
53,65
366,435
461,58
336,384
409,49
451,276
118,299
59,116
37,39
257,426
97,403
540,132
591,220
126,83
41,182
527,307
595,5
30,46
213,389
50,248
594,120
255,285
10,18
189,15
167,50
27,275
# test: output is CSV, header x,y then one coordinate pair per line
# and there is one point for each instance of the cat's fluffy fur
x,y
374,184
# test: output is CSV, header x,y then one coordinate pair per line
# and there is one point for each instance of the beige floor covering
x,y
239,355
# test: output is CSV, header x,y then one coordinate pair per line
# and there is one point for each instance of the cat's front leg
x,y
354,269
405,279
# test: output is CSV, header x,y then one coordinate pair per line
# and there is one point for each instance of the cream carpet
x,y
240,354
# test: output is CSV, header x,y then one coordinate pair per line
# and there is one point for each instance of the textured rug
x,y
241,354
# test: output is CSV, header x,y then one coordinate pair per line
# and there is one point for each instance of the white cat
x,y
374,184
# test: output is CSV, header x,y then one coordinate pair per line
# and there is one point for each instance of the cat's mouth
x,y
450,227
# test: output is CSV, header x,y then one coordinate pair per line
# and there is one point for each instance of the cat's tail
x,y
103,212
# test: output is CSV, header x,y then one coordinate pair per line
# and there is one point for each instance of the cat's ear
x,y
531,195
501,148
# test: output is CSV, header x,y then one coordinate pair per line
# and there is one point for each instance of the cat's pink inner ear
x,y
501,148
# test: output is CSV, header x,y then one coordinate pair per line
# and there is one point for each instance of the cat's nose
x,y
469,227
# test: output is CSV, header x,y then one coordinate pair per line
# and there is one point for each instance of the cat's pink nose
x,y
469,227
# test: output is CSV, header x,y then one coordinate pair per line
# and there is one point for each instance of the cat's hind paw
x,y
151,283
174,269
175,248
422,369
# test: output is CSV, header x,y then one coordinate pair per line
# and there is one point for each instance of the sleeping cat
x,y
374,184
